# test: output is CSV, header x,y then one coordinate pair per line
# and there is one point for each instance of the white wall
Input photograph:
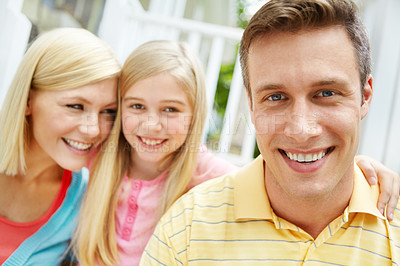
x,y
15,29
381,128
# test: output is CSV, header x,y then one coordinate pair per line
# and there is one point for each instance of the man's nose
x,y
302,122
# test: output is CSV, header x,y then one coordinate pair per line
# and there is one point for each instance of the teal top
x,y
49,244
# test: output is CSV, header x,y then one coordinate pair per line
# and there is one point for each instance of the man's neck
x,y
310,214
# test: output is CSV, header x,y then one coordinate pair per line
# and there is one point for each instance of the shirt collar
x,y
250,196
364,197
251,199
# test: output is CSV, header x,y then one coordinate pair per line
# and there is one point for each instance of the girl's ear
x,y
28,110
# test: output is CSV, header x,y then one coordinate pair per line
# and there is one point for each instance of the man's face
x,y
307,109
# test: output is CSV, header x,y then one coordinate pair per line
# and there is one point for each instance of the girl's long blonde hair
x,y
95,240
60,59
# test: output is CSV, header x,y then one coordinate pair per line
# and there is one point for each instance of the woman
x,y
60,106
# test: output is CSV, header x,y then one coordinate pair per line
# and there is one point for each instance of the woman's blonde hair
x,y
95,239
60,59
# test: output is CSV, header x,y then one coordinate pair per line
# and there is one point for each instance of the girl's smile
x,y
156,117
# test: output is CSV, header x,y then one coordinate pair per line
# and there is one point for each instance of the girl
x,y
59,108
155,159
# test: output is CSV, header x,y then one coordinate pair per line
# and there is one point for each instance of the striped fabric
x,y
228,221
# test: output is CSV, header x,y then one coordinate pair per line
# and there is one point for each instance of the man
x,y
307,70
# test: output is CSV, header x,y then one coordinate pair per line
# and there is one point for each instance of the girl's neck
x,y
141,170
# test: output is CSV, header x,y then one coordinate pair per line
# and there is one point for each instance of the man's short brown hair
x,y
295,15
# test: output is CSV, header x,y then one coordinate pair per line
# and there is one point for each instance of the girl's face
x,y
156,116
67,125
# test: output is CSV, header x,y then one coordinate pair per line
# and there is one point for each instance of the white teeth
x,y
306,158
151,142
78,145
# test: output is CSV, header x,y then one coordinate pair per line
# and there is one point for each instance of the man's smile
x,y
306,158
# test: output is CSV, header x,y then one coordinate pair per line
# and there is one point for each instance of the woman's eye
x,y
326,93
110,111
276,97
171,109
75,106
137,106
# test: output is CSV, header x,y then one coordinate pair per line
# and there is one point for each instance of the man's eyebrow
x,y
328,82
325,82
268,87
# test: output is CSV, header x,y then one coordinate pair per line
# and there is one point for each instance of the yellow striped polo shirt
x,y
229,221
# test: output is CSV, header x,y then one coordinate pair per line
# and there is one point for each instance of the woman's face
x,y
67,125
156,116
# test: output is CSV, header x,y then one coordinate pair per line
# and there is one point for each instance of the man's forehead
x,y
323,55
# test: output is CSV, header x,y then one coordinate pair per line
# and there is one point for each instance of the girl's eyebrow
x,y
173,101
131,98
177,101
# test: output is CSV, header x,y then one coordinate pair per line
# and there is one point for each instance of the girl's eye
x,y
75,106
326,93
276,97
171,109
137,106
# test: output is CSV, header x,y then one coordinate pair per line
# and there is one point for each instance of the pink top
x,y
136,214
14,233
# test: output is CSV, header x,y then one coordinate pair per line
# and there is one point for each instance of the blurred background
x,y
213,29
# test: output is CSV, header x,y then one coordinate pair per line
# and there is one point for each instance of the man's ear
x,y
28,110
367,96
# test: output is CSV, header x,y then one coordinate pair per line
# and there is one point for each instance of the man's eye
x,y
326,93
276,97
75,106
137,106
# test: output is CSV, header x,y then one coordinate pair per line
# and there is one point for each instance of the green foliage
x,y
241,5
223,86
256,151
221,98
224,83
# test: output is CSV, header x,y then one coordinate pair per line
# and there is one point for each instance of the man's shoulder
x,y
396,218
213,196
208,192
222,185
394,233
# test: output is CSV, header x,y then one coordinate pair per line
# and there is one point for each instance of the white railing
x,y
126,28
380,136
14,34
126,25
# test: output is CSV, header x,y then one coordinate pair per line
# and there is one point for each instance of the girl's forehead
x,y
163,85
